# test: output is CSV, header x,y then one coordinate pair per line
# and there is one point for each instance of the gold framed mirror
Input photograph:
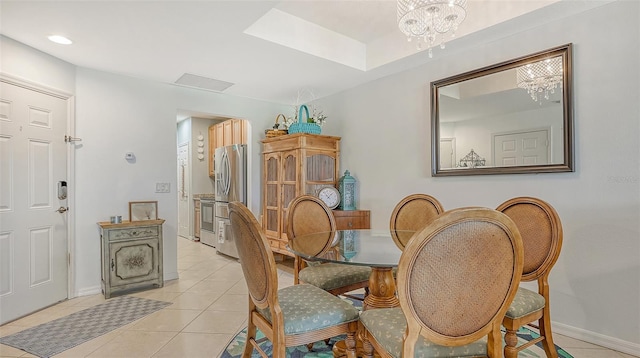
x,y
512,117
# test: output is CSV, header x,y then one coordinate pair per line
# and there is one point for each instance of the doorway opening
x,y
197,138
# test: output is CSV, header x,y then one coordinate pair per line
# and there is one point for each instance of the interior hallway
x,y
209,308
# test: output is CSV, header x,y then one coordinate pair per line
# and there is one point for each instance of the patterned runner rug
x,y
53,337
235,347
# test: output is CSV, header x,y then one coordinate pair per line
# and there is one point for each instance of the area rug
x,y
320,349
53,337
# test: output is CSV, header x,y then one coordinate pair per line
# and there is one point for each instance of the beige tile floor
x,y
209,308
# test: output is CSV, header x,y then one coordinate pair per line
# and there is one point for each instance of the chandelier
x,y
541,78
430,20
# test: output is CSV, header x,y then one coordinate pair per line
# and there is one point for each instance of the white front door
x,y
33,234
521,148
183,191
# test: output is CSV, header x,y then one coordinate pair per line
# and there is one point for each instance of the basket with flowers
x,y
311,124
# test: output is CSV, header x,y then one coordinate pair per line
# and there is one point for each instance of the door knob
x,y
62,209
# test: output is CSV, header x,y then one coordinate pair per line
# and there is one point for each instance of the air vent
x,y
209,84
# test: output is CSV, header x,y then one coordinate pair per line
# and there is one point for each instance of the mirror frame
x,y
568,163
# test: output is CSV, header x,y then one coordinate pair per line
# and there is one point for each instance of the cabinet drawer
x,y
274,243
352,219
133,233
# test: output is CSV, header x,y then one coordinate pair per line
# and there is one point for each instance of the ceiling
x,y
277,51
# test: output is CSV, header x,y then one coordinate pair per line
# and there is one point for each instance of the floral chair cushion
x,y
329,276
308,308
387,325
525,302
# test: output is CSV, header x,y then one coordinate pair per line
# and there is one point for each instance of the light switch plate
x,y
163,187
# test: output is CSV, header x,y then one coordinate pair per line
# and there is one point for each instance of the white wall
x,y
117,114
595,286
200,180
477,133
32,65
114,115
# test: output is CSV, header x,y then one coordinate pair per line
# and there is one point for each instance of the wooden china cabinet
x,y
293,165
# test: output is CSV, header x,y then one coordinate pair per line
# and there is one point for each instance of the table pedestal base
x,y
382,294
340,350
382,289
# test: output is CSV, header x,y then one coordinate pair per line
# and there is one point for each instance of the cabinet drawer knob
x,y
350,224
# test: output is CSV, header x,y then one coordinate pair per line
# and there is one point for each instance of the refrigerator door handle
x,y
226,173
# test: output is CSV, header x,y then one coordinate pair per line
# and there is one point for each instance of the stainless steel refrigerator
x,y
230,166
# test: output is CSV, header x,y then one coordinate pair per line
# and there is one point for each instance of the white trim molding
x,y
597,338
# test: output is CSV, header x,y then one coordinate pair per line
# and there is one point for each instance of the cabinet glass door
x,y
290,178
289,185
272,167
320,171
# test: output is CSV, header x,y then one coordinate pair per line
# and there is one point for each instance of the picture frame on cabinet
x,y
143,210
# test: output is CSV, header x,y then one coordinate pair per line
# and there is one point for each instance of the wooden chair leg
x,y
511,339
350,342
248,345
545,330
367,348
296,270
494,343
279,349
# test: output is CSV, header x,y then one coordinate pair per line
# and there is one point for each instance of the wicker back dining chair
x,y
412,213
456,279
541,231
309,215
291,316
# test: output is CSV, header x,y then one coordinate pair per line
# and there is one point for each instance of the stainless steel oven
x,y
207,222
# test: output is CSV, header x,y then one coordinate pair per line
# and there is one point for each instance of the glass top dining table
x,y
374,248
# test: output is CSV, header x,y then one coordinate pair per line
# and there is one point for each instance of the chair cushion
x,y
387,325
525,302
308,308
330,275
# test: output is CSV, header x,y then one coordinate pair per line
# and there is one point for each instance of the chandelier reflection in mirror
x,y
541,78
430,20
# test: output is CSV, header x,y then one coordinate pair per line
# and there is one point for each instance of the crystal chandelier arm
x,y
426,20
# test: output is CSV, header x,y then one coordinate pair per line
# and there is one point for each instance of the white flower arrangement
x,y
316,116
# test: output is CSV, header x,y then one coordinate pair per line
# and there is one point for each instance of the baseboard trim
x,y
598,339
89,291
170,276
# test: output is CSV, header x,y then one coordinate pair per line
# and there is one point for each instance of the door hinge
x,y
69,139
69,258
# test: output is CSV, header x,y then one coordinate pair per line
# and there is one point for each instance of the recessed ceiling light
x,y
60,40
